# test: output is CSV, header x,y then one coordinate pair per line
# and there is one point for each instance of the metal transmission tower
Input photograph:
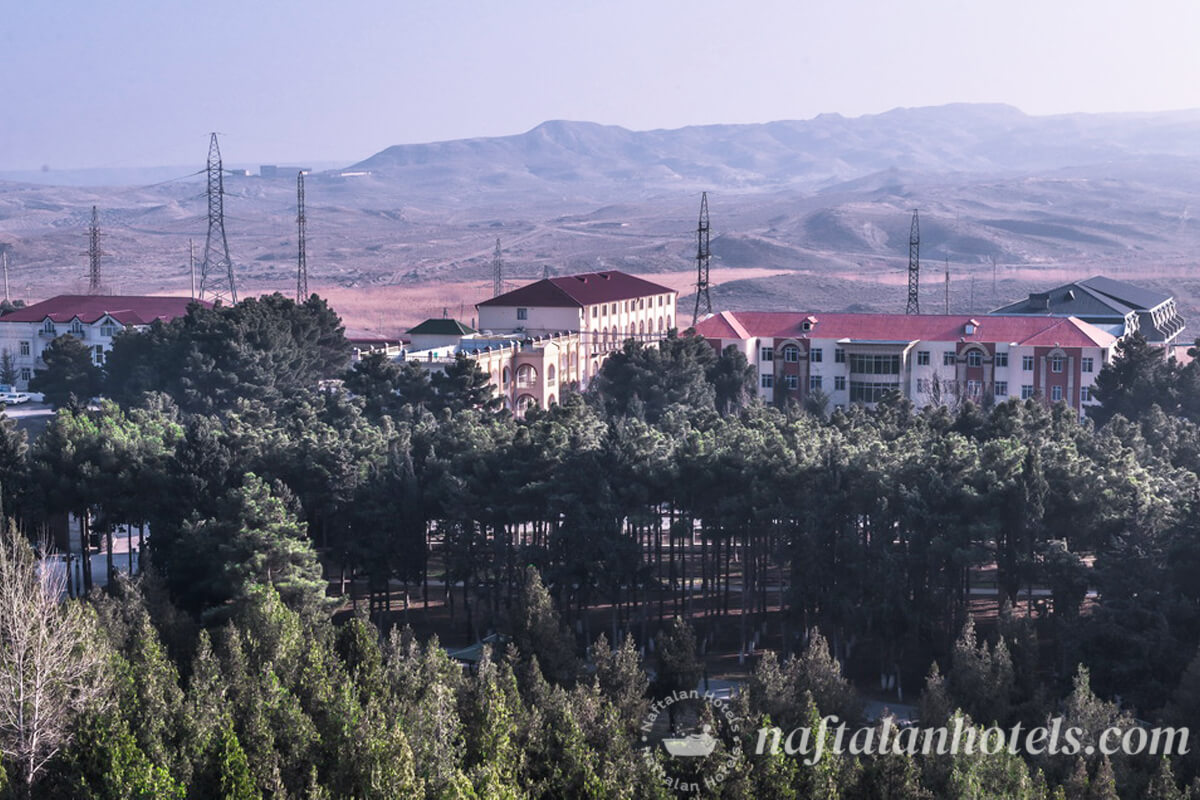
x,y
702,258
301,260
216,271
94,254
497,272
914,268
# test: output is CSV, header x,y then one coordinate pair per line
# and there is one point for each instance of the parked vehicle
x,y
14,398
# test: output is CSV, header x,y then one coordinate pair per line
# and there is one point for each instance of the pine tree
x,y
538,630
70,376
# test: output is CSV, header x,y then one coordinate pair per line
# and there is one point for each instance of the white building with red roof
x,y
93,319
859,358
603,308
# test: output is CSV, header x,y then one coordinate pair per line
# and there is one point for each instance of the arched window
x,y
660,324
550,401
791,353
526,376
507,376
642,328
524,402
550,375
573,359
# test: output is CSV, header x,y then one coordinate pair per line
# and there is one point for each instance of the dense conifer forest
x,y
996,565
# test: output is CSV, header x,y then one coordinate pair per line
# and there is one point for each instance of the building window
x,y
604,310
974,388
24,348
1001,359
99,358
766,354
108,329
1026,391
1085,394
550,375
766,380
792,381
839,383
875,365
1087,364
76,328
863,392
1056,364
526,375
1056,393
661,298
922,358
506,376
814,382
839,355
1001,389
1027,363
791,353
974,358
595,311
948,358
522,313
26,374
922,385
815,355
614,308
49,328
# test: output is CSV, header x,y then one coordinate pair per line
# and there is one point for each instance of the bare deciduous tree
x,y
51,661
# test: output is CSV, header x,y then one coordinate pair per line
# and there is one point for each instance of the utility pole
x,y
94,254
497,272
192,265
914,267
301,260
703,255
216,272
4,258
947,284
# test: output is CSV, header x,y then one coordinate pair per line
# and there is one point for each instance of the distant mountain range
x,y
808,155
1010,201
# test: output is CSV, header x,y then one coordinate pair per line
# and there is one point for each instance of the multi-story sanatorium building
x,y
92,319
858,358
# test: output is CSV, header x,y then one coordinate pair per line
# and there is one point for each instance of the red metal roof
x,y
576,291
1030,331
125,309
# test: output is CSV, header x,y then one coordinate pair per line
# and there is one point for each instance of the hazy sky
x,y
142,82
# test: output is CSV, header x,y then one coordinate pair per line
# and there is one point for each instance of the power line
x,y
216,272
703,255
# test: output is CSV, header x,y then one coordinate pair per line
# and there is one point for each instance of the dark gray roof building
x,y
1114,306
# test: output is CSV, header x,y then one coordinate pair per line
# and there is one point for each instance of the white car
x,y
14,398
